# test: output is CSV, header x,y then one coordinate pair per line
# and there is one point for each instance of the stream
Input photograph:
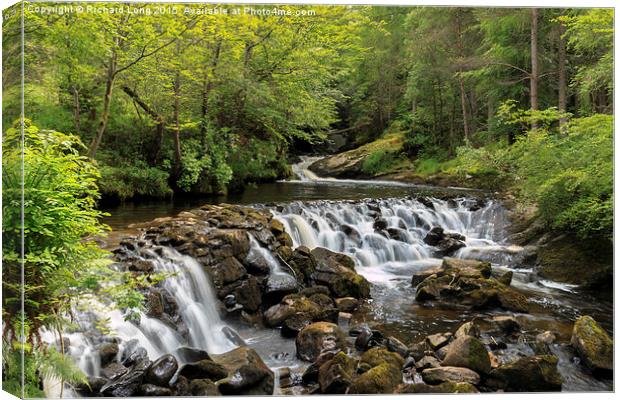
x,y
339,215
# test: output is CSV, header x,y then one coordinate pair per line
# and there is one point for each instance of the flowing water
x,y
340,215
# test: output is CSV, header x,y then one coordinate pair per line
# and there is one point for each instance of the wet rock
x,y
467,268
329,261
190,354
315,289
113,370
293,325
162,370
248,294
133,353
127,384
181,387
276,227
154,304
322,300
396,346
445,243
247,373
347,304
318,337
203,369
505,278
380,224
546,337
593,344
142,266
335,375
420,276
203,387
528,374
381,379
227,271
512,300
437,340
468,352
107,352
92,386
450,374
506,324
419,350
367,338
446,387
294,304
468,329
337,272
427,362
153,390
278,286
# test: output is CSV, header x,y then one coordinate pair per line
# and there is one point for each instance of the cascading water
x,y
393,250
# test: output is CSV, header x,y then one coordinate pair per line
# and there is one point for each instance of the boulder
x,y
127,384
335,375
347,304
162,370
381,379
191,354
427,362
506,324
468,329
247,373
151,390
292,305
107,352
278,286
203,369
446,387
439,375
367,338
113,371
337,272
593,344
505,278
468,352
420,276
396,346
467,268
437,340
317,338
528,374
445,243
377,356
203,387
227,271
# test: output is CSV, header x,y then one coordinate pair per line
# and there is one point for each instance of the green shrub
x,y
127,181
379,161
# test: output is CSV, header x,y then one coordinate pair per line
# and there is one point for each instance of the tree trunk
x,y
534,56
177,124
459,46
207,85
562,76
105,112
76,110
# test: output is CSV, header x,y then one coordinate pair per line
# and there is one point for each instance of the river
x,y
315,209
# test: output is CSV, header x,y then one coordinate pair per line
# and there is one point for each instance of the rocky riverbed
x,y
231,266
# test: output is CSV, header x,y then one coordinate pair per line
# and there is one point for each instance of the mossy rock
x,y
467,352
336,375
446,387
318,337
529,374
467,268
593,344
381,379
377,356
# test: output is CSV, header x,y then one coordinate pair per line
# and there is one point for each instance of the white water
x,y
347,227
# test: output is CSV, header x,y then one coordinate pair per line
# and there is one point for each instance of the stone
x,y
593,344
427,362
191,354
162,370
248,294
468,329
468,352
511,300
506,324
294,304
367,338
203,369
203,387
505,278
247,373
446,387
129,383
381,379
418,350
528,374
437,340
107,352
377,356
468,268
154,390
420,276
327,260
439,375
396,346
276,227
227,271
380,224
335,375
318,337
347,304
293,325
113,371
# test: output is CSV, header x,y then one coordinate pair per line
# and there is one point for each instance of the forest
x,y
135,106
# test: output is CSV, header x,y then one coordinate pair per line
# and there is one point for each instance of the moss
x,y
377,356
593,343
446,387
382,379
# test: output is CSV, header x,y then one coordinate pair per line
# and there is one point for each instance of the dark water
x,y
278,192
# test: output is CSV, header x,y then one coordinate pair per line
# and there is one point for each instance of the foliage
x,y
134,180
379,161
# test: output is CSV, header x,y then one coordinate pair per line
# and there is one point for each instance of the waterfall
x,y
383,255
301,171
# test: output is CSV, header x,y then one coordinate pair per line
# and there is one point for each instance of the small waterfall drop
x,y
386,236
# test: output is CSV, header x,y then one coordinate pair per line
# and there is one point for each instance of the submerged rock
x,y
593,344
